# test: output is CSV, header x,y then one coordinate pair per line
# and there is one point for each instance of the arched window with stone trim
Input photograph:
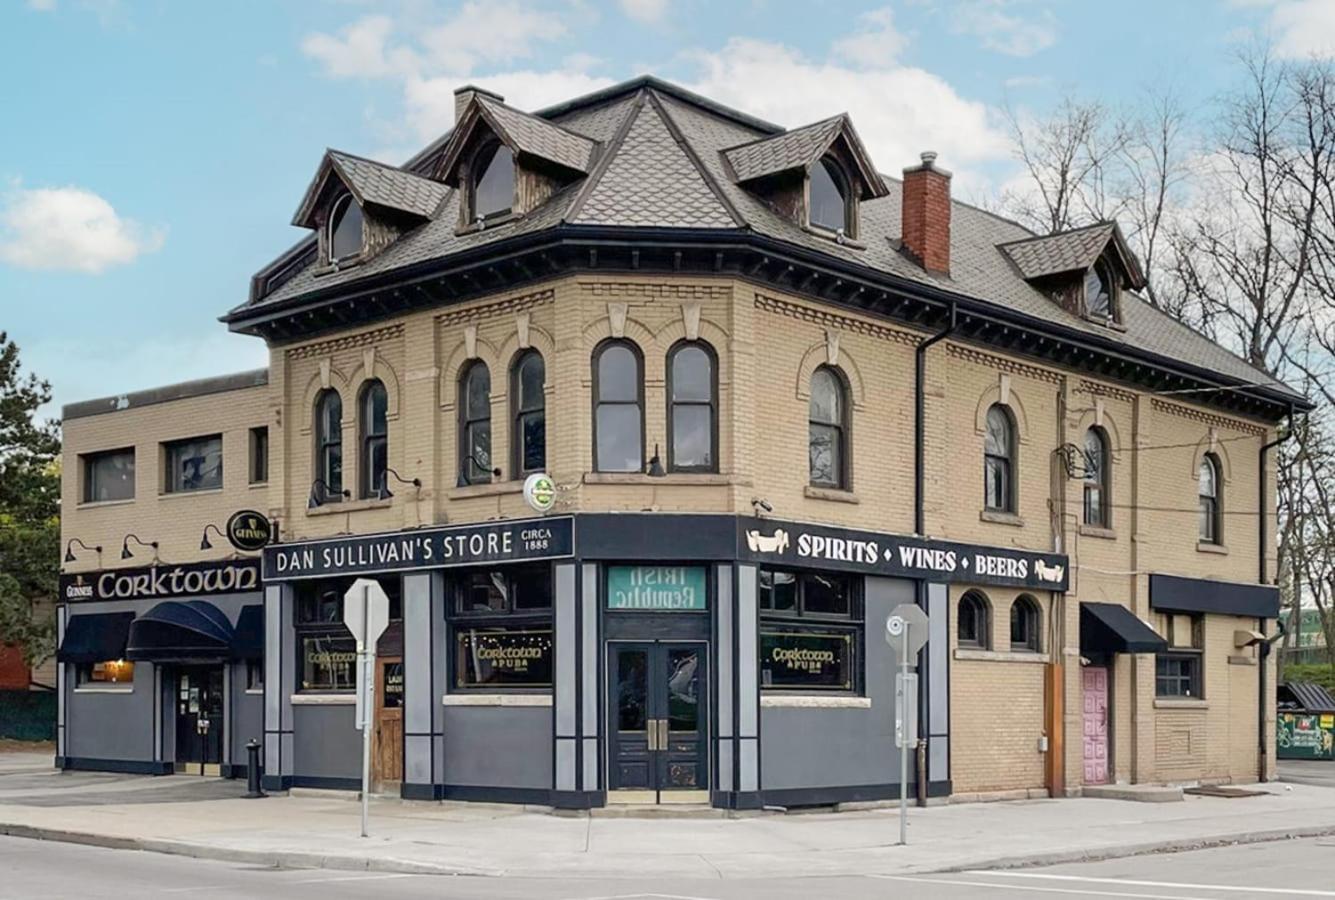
x,y
373,424
618,407
1209,492
999,460
328,446
692,372
528,432
973,621
1026,625
827,430
475,465
1098,479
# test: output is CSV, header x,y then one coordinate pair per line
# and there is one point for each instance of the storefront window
x,y
501,622
112,671
810,631
326,650
328,662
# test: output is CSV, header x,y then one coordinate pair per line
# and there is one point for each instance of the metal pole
x,y
903,738
368,696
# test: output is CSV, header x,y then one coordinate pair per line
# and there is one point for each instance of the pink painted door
x,y
1095,683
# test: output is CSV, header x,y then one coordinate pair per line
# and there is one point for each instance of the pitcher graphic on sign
x,y
761,544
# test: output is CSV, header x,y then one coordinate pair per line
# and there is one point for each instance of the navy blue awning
x,y
1175,593
180,630
1112,628
248,639
95,637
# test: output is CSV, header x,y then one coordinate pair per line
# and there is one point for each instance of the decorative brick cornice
x,y
652,291
1098,389
508,306
827,319
1003,363
347,342
1207,418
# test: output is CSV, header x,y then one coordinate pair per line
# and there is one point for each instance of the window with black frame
x,y
501,629
1178,672
810,631
326,650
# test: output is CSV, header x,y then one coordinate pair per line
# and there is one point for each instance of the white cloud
x,y
360,51
877,43
1303,28
495,32
650,12
429,102
70,228
42,5
995,24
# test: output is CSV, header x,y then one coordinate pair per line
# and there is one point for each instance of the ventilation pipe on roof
x,y
925,211
464,96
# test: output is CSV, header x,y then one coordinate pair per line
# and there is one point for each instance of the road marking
x,y
1293,892
1032,889
643,896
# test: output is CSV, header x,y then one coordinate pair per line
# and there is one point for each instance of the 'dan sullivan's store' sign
x,y
872,553
425,548
163,581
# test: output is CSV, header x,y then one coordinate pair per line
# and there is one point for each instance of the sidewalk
x,y
481,839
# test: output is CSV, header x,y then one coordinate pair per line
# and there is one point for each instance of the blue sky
x,y
152,153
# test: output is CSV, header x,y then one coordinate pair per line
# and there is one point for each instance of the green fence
x,y
1306,736
28,715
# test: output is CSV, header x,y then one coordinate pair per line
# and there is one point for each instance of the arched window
x,y
999,460
373,410
1208,491
329,446
1100,290
1026,625
618,416
828,197
475,425
692,422
827,430
345,228
529,434
493,181
1098,478
974,624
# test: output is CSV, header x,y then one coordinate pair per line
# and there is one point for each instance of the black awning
x,y
248,639
91,638
180,630
1176,593
1112,628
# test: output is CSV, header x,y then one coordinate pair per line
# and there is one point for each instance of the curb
x,y
296,859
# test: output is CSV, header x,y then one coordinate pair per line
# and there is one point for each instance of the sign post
x,y
366,613
906,633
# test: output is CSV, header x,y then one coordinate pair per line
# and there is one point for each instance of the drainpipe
x,y
1263,651
919,418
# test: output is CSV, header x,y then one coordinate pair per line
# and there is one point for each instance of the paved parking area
x,y
1320,772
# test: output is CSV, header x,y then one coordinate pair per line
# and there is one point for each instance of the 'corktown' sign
x,y
163,581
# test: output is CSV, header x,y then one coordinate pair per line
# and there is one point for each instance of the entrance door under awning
x,y
1112,628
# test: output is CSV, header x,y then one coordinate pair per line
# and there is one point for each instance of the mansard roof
x,y
655,169
800,149
372,183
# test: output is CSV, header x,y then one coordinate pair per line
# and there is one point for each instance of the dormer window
x,y
493,182
1100,292
345,229
827,197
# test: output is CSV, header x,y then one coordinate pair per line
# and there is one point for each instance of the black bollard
x,y
253,789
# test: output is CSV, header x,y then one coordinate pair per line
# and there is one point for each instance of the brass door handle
x,y
651,733
662,734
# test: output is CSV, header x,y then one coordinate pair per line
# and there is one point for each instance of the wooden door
x,y
1094,681
387,748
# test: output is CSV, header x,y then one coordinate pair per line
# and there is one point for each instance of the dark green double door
x,y
659,715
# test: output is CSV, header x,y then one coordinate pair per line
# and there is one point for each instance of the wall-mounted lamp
x,y
320,494
69,549
463,478
125,546
204,543
384,493
656,469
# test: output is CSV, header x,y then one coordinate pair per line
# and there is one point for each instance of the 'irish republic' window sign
x,y
872,553
163,581
656,587
426,548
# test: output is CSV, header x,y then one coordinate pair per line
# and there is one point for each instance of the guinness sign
x,y
163,582
249,530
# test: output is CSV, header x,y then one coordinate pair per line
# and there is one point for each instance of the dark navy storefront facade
x,y
655,691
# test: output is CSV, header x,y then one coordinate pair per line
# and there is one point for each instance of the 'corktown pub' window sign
x,y
873,553
163,581
427,548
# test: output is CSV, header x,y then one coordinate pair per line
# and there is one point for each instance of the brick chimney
x,y
464,95
926,214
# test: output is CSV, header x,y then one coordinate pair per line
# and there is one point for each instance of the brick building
x,y
760,395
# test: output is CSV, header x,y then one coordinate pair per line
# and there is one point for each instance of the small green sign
x,y
656,587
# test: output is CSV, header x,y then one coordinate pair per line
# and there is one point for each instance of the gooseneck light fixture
x,y
69,549
468,457
204,542
126,553
383,492
320,491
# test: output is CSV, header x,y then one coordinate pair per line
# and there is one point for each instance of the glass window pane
x,y
194,465
632,690
484,592
692,375
478,445
532,587
531,376
328,662
827,198
533,427
807,659
824,455
998,439
477,392
1096,292
683,686
1207,479
778,591
826,394
109,476
331,417
826,595
333,470
377,463
346,236
502,657
495,187
618,374
375,407
619,448
692,436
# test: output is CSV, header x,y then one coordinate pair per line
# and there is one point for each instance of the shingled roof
x,y
372,183
800,149
658,157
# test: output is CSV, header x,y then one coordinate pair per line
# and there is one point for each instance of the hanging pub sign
x,y
521,540
248,530
656,587
163,581
874,553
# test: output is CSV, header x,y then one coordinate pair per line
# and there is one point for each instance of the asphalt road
x,y
1274,871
